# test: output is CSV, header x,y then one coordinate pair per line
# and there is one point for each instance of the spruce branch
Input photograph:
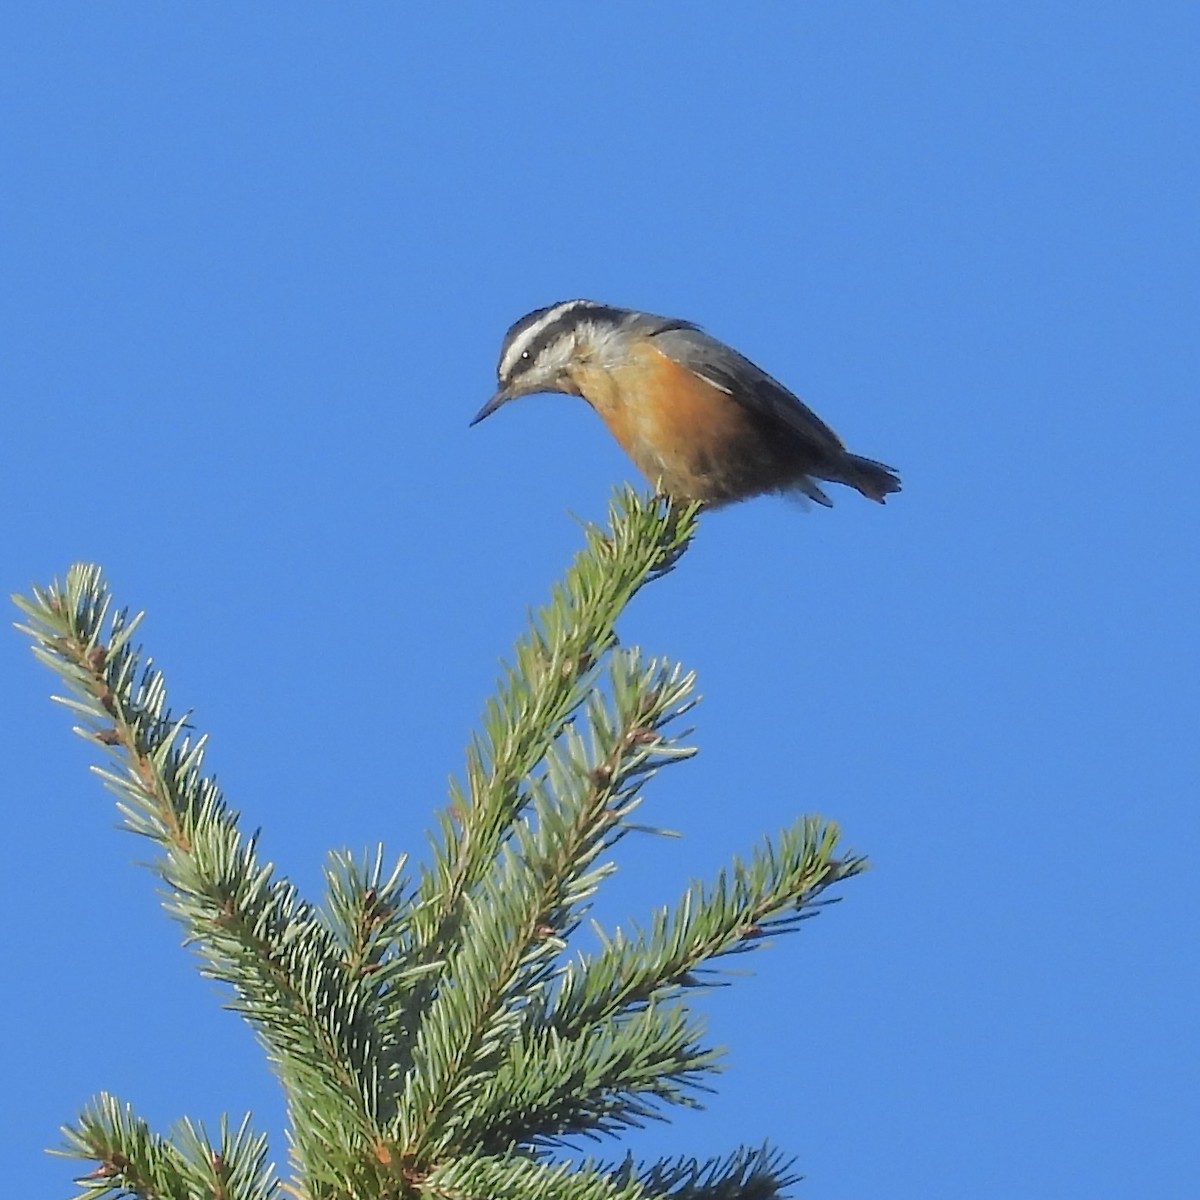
x,y
504,1177
436,1039
252,931
368,912
519,917
779,887
535,698
746,1174
614,1075
133,1161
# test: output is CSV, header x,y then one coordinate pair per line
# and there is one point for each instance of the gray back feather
x,y
732,372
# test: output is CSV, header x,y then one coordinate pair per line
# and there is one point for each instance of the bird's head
x,y
540,350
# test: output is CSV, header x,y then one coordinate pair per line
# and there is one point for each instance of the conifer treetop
x,y
436,1032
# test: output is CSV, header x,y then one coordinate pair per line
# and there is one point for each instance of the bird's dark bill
x,y
501,397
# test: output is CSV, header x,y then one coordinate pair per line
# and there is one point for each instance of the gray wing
x,y
735,374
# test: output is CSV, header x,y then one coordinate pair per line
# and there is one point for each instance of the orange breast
x,y
682,433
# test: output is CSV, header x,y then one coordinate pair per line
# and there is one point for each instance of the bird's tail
x,y
875,480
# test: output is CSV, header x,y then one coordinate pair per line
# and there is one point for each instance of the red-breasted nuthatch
x,y
699,420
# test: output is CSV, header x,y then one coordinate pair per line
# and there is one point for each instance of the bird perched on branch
x,y
699,420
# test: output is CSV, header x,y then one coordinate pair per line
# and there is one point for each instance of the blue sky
x,y
256,268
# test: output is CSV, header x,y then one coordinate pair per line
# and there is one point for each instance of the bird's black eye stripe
x,y
514,332
525,362
551,334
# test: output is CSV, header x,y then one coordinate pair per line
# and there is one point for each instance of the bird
x,y
698,419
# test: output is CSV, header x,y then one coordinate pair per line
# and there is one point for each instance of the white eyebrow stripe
x,y
530,334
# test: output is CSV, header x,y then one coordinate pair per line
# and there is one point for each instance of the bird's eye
x,y
524,355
